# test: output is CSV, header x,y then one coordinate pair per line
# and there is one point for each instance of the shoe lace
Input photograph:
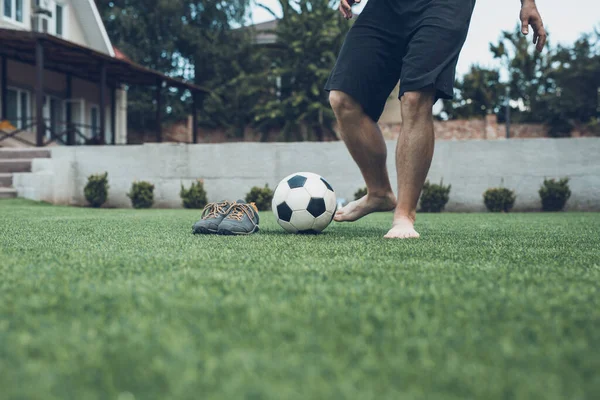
x,y
213,210
239,210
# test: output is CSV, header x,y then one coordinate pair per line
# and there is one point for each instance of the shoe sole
x,y
226,232
205,231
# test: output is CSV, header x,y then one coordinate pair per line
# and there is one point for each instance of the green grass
x,y
111,304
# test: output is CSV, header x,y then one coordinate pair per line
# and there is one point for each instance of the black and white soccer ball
x,y
304,203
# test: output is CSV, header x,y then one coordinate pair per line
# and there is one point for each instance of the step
x,y
8,193
6,180
28,153
9,166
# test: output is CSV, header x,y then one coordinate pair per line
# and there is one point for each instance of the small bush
x,y
262,197
96,189
360,193
141,194
434,197
499,199
195,196
554,194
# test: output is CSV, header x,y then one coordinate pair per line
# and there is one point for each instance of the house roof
x,y
92,25
69,58
265,31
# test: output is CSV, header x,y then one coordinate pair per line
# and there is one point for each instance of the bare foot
x,y
365,205
403,228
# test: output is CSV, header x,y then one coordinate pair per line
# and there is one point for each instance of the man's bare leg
x,y
413,159
366,145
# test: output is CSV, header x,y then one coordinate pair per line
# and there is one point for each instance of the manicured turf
x,y
111,304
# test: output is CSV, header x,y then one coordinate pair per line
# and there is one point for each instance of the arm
x,y
531,16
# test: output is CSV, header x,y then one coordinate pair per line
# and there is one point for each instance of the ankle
x,y
403,217
381,193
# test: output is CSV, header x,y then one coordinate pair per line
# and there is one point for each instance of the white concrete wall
x,y
230,170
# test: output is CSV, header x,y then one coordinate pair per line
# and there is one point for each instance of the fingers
x,y
345,9
539,35
524,26
541,42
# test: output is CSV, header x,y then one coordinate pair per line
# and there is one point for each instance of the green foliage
x,y
141,194
554,194
478,93
434,197
195,196
573,101
557,87
528,75
309,37
360,193
187,39
499,199
96,189
262,197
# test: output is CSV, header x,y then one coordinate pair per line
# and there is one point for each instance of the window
x,y
8,10
94,120
19,10
13,9
17,104
24,107
53,116
59,19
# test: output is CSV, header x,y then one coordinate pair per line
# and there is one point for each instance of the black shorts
x,y
414,41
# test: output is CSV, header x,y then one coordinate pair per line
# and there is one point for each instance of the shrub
x,y
262,197
195,196
96,189
554,194
141,194
360,193
434,197
499,199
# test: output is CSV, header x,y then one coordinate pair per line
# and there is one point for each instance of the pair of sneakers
x,y
228,218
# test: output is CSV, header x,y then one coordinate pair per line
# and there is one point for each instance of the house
x,y
61,80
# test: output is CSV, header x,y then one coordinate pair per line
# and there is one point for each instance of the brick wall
x,y
465,129
479,129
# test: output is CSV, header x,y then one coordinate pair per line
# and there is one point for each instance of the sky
x,y
565,21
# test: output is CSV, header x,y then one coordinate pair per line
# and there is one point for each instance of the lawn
x,y
122,304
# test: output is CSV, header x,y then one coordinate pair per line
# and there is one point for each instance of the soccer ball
x,y
304,203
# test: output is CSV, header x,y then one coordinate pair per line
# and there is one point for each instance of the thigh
x,y
434,42
369,64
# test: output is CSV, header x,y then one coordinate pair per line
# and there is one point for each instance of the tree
x,y
309,36
528,74
186,39
575,97
478,93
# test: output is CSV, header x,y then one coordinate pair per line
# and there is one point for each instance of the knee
x,y
416,103
342,103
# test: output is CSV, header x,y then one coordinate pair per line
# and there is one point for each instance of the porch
x,y
55,92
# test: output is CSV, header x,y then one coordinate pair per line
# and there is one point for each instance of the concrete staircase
x,y
16,160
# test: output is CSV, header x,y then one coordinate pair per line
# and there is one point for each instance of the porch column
x,y
159,111
195,117
4,83
69,113
102,101
39,93
113,114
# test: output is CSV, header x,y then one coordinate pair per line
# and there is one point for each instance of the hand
x,y
346,7
531,16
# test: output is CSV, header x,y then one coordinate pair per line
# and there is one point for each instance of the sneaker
x,y
241,220
212,215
